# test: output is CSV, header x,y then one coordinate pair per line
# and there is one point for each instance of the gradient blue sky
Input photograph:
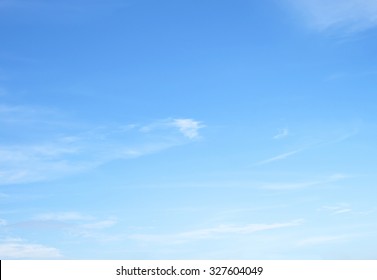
x,y
187,129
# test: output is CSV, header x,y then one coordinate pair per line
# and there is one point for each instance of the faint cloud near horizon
x,y
319,240
16,248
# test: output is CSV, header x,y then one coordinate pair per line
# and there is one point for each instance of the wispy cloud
x,y
340,208
279,157
318,240
60,147
281,134
214,232
97,225
300,185
187,127
70,224
62,217
317,139
348,15
20,249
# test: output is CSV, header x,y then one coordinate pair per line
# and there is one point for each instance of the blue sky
x,y
187,129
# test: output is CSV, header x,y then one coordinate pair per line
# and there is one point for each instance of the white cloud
x,y
350,15
70,224
340,208
281,134
300,185
99,224
62,217
188,127
226,229
278,157
318,240
76,220
19,249
51,147
214,232
331,138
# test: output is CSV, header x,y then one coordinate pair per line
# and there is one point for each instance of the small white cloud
x,y
19,249
188,127
281,134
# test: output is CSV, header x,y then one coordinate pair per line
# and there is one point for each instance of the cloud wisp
x,y
279,157
301,185
69,224
214,232
318,141
61,147
348,15
283,133
338,209
322,240
189,128
20,249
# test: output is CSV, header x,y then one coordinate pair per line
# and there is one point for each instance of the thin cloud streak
x,y
348,15
62,217
70,224
301,185
279,157
215,232
319,240
338,209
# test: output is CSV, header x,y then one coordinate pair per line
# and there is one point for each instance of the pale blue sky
x,y
187,129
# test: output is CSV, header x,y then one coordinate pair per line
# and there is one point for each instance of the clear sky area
x,y
188,129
